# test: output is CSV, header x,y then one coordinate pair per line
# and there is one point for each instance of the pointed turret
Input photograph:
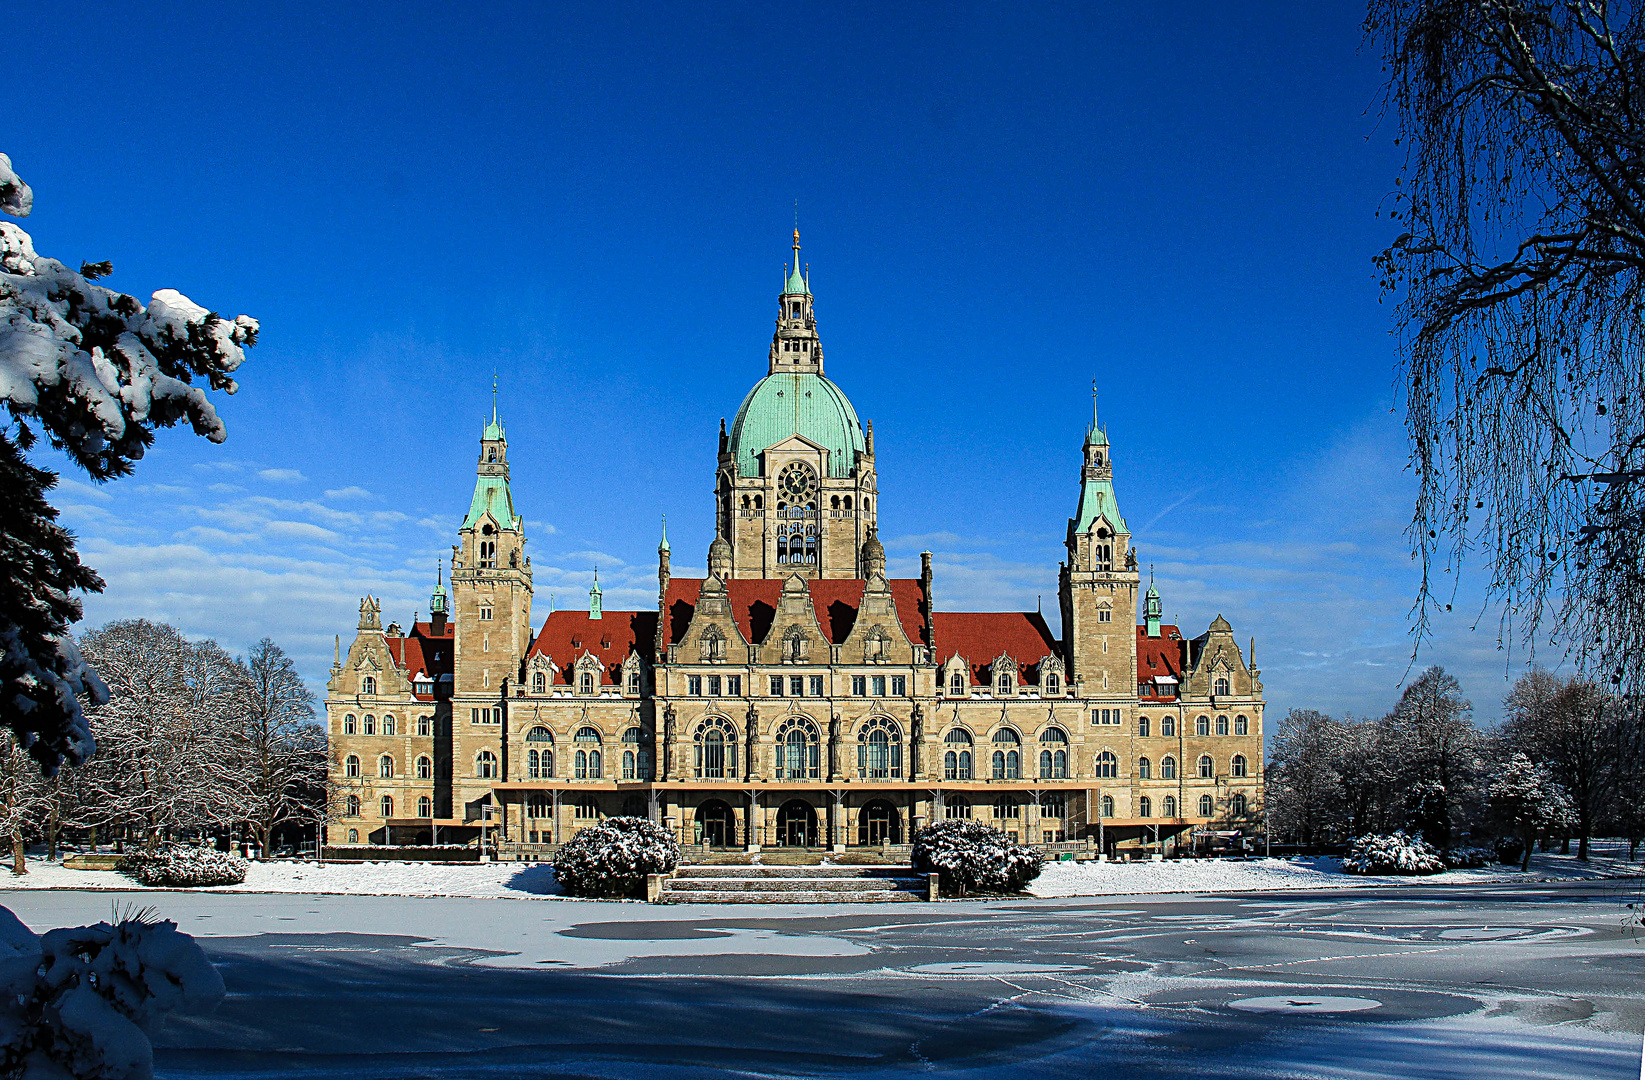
x,y
596,606
719,558
1152,609
873,554
1097,482
795,348
439,604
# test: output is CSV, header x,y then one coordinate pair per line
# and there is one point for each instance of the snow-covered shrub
x,y
83,1001
179,866
1396,853
1509,850
611,859
972,857
1468,858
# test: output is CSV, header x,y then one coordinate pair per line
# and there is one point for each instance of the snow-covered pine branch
x,y
96,371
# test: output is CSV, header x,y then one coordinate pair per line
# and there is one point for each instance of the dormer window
x,y
956,684
1003,686
585,682
539,682
1053,685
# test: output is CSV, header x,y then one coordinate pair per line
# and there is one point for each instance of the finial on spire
x,y
494,393
663,546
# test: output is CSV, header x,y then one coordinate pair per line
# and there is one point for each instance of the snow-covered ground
x,y
536,880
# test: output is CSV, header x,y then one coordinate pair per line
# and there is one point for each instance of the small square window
x,y
1105,615
694,685
859,685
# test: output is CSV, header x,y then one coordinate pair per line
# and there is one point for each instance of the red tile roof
x,y
983,636
835,600
1158,656
421,653
566,635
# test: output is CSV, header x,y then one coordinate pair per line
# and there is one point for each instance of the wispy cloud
x,y
281,476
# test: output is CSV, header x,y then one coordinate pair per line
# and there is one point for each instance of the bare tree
x,y
1575,728
1518,278
24,796
276,752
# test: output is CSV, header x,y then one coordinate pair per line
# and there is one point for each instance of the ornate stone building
x,y
796,696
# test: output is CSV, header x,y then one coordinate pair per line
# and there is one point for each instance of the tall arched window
x,y
1222,725
1236,767
799,752
956,684
1053,685
539,682
585,682
370,724
1145,768
1242,726
629,765
1236,804
485,765
1220,689
368,684
534,765
388,724
1142,727
349,724
351,806
879,749
1202,726
1207,767
425,769
385,807
716,749
637,738
1002,685
1168,770
588,763
1207,806
1145,807
1168,806
956,760
1007,758
385,767
351,767
425,806
1108,766
1107,806
1168,727
1053,754
425,725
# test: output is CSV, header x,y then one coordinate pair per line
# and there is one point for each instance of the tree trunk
x,y
1525,860
51,833
1565,845
19,855
1582,846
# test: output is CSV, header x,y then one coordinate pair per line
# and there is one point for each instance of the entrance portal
x,y
796,824
879,823
716,823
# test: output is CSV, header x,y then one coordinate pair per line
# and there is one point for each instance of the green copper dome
x,y
796,403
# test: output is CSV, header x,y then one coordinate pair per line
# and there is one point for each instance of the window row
x,y
372,725
385,767
385,809
960,686
1203,726
1008,807
585,683
796,685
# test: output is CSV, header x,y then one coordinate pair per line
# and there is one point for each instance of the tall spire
x,y
1097,479
1095,435
663,546
595,608
796,282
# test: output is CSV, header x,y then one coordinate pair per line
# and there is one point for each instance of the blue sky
x,y
998,206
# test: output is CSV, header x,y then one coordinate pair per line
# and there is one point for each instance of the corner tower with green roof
x,y
795,487
1098,583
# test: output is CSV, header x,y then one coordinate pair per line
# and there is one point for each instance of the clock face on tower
x,y
797,482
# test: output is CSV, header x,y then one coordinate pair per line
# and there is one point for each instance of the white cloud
x,y
349,492
281,476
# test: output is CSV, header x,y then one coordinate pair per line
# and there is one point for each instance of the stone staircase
x,y
756,884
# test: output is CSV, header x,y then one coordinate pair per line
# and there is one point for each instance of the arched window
x,y
1002,685
539,734
799,753
388,724
628,765
716,749
1054,754
349,724
1007,762
1236,804
425,768
351,767
1236,767
539,682
1007,808
368,684
1053,685
834,503
1202,726
485,765
370,724
1168,770
956,760
1145,768
1108,766
351,807
1142,727
385,767
534,765
588,763
879,749
1220,689
385,807
585,682
956,684
425,725
1168,727
1242,726
425,806
1222,725
1207,806
956,806
638,739
1107,806
1145,807
354,836
1168,806
1207,767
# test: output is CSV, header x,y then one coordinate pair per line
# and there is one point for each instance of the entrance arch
x,y
879,822
797,824
716,823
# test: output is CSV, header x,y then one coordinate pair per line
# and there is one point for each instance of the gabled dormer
x,y
795,636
